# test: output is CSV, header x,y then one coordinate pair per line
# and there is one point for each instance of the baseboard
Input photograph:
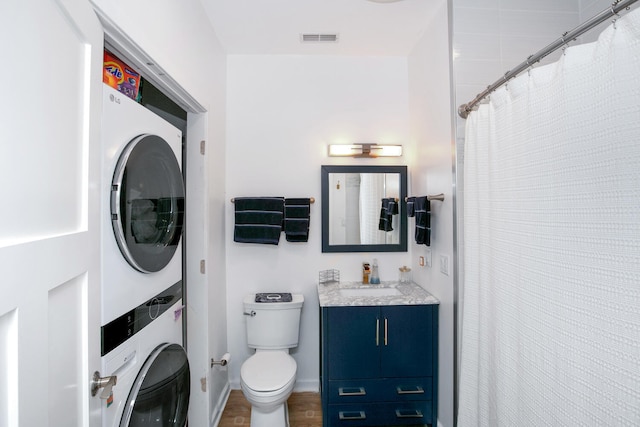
x,y
307,386
216,414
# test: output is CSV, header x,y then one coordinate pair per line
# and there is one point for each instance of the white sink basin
x,y
369,292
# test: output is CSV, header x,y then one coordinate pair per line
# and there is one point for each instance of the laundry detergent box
x,y
120,76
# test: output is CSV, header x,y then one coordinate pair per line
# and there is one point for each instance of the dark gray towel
x,y
411,206
388,209
423,221
258,219
296,219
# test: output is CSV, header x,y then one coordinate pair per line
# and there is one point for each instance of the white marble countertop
x,y
336,294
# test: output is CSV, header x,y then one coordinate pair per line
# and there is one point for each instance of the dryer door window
x,y
160,393
147,203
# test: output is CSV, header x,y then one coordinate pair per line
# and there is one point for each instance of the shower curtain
x,y
551,308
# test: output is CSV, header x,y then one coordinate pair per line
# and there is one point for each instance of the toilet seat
x,y
268,371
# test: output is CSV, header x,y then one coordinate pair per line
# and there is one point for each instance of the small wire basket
x,y
329,276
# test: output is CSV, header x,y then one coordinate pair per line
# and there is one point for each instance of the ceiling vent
x,y
318,38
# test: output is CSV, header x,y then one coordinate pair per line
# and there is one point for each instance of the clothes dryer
x,y
142,204
143,349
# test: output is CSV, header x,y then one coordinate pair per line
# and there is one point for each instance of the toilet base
x,y
277,417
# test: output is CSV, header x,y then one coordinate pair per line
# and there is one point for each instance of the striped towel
x,y
296,219
423,221
258,219
388,209
411,210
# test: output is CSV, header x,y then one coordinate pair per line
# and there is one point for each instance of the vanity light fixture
x,y
365,150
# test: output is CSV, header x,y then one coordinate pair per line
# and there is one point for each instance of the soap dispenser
x,y
375,277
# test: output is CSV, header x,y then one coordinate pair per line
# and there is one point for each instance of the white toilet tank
x,y
272,325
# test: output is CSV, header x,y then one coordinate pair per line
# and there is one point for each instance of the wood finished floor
x,y
304,410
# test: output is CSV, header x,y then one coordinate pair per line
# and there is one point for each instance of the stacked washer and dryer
x,y
141,225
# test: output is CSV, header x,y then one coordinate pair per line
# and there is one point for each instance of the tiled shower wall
x,y
492,36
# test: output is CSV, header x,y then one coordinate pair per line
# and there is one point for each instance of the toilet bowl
x,y
267,379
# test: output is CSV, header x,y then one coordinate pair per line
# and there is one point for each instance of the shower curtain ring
x,y
613,11
565,43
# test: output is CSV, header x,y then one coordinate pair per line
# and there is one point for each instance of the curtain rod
x,y
616,7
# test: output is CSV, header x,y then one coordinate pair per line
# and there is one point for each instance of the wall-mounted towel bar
x,y
311,200
439,197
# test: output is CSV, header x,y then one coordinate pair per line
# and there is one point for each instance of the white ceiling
x,y
363,27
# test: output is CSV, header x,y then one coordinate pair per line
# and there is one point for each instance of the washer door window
x,y
160,393
147,203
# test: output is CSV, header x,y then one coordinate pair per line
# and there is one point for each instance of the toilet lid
x,y
268,371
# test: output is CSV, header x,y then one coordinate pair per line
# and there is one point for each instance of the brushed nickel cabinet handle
x,y
386,330
353,415
351,391
408,413
415,390
377,332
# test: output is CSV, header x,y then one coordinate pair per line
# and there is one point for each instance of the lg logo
x,y
112,98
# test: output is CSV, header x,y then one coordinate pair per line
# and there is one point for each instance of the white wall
x,y
179,38
431,127
283,111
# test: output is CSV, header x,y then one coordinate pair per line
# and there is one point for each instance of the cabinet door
x,y
353,339
409,340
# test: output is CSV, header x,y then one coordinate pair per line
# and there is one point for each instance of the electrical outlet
x,y
444,264
421,261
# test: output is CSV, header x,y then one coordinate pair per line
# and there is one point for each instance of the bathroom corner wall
x,y
431,130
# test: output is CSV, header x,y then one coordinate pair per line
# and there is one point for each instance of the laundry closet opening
x,y
157,101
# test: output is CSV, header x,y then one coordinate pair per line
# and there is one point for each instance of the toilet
x,y
267,377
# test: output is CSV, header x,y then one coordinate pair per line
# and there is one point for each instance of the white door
x,y
51,53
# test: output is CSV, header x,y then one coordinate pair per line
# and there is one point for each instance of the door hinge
x,y
202,147
202,266
203,384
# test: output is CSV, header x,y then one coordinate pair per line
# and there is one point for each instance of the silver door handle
x,y
252,313
107,383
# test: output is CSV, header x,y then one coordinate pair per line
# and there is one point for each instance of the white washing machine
x,y
142,204
143,349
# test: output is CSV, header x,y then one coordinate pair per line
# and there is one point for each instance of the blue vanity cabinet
x,y
379,365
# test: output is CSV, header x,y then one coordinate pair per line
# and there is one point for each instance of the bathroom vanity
x,y
379,354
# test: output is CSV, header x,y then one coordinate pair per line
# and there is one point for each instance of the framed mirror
x,y
358,212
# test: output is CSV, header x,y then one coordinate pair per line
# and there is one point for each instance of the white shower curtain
x,y
551,313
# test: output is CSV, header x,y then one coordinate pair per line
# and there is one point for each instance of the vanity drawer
x,y
380,414
386,389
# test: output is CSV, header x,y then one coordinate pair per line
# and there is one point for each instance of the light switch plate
x,y
444,264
